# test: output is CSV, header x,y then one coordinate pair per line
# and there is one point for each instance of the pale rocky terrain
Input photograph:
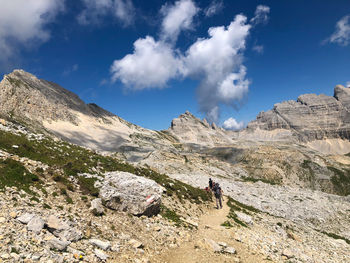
x,y
288,174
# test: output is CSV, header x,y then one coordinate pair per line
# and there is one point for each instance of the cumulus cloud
x,y
261,15
214,8
347,84
95,10
24,24
216,61
341,35
152,64
232,124
177,17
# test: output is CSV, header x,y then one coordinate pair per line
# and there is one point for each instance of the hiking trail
x,y
209,227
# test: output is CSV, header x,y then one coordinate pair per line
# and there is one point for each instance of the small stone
x,y
212,245
5,256
135,243
25,218
230,250
100,254
97,207
287,253
53,223
2,220
55,243
101,244
223,244
244,217
13,214
36,225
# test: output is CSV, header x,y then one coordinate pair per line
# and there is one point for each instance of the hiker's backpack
x,y
218,191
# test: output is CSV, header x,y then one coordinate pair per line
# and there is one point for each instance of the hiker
x,y
210,184
218,195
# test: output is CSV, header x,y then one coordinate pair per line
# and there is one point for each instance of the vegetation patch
x,y
335,236
227,224
238,206
87,185
73,160
170,215
13,173
340,180
264,180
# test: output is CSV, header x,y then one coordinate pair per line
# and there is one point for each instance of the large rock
x,y
130,193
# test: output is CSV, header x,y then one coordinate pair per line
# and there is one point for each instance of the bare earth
x,y
195,250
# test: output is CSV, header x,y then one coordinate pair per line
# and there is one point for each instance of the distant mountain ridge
x,y
312,118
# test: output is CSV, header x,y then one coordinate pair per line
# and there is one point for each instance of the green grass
x,y
227,224
238,206
73,160
264,180
170,215
340,180
13,173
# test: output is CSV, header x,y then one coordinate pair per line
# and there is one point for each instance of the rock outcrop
x,y
312,117
130,193
191,130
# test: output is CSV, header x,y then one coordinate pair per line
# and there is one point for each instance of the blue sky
x,y
277,51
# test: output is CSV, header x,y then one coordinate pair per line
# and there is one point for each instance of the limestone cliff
x,y
311,117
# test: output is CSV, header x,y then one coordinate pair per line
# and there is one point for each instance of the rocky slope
x,y
310,118
289,196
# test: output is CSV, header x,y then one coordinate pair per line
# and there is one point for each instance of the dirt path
x,y
195,250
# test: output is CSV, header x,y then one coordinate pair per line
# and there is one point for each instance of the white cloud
x,y
341,35
216,61
152,64
21,24
96,10
261,15
177,17
232,124
258,49
347,84
214,8
124,10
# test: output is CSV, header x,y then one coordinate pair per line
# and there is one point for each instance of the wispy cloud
x,y
261,15
258,49
177,17
341,34
96,10
214,8
70,70
216,61
23,25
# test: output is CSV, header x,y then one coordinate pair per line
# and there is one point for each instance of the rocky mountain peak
x,y
311,117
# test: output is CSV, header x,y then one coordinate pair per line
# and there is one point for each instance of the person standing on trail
x,y
210,184
218,195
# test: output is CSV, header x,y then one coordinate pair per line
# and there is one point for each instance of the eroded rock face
x,y
311,117
189,129
130,193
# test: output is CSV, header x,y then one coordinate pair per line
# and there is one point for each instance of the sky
x,y
150,61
